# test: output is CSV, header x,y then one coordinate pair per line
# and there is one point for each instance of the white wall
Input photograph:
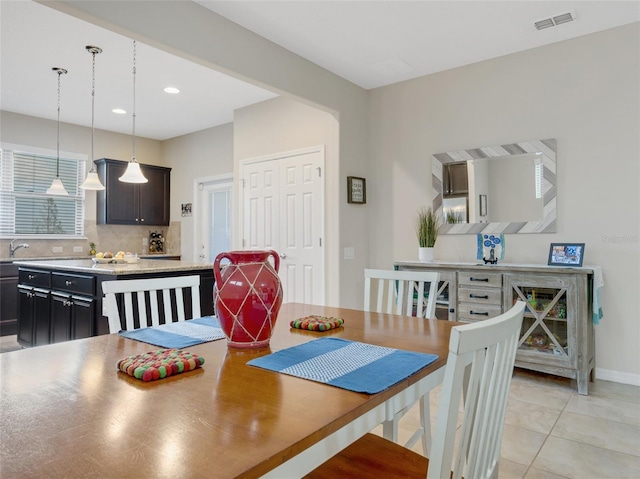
x,y
583,92
282,125
197,155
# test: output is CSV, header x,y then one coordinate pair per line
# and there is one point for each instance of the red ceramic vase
x,y
248,296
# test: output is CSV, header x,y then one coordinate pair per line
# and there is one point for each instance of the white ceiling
x,y
370,43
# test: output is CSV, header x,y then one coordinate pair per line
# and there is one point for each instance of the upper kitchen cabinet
x,y
455,179
133,204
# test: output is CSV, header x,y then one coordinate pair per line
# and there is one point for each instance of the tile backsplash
x,y
112,238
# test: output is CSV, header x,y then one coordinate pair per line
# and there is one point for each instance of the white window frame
x,y
7,193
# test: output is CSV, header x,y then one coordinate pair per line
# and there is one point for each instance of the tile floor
x,y
552,432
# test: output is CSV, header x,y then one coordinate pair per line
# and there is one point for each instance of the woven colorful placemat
x,y
317,323
159,364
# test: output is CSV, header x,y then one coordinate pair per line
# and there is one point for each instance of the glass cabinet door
x,y
544,328
548,328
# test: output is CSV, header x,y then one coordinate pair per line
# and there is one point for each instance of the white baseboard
x,y
618,377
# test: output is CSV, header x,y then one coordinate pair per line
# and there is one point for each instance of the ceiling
x,y
370,43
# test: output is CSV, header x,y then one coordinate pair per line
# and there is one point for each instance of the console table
x,y
557,333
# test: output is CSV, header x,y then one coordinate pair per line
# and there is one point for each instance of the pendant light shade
x,y
133,173
92,182
57,188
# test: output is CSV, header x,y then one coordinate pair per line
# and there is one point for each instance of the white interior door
x,y
283,209
214,219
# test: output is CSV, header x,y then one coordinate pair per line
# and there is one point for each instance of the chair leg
x,y
425,423
390,429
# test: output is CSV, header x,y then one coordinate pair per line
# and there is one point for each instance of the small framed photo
x,y
483,205
566,254
356,190
186,209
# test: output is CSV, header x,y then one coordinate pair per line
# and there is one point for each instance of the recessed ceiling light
x,y
119,111
171,89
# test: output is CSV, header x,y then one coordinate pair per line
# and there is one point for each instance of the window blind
x,y
25,208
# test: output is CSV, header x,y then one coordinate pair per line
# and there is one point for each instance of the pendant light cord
x,y
93,100
60,72
133,136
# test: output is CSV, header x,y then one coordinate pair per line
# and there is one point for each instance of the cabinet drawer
x,y
34,277
480,278
73,283
477,312
480,296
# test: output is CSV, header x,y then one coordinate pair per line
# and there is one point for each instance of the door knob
x,y
283,255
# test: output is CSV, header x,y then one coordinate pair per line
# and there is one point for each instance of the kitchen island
x,y
60,300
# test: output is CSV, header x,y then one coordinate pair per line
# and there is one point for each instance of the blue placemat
x,y
358,367
178,335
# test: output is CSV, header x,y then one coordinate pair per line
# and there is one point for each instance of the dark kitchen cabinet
x,y
72,306
55,307
8,299
34,307
133,204
71,317
455,179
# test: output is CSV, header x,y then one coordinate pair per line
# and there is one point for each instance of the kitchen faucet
x,y
12,250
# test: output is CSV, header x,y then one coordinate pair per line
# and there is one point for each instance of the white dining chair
x,y
478,374
151,296
408,293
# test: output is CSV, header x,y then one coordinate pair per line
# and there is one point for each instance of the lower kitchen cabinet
x,y
34,311
59,305
54,307
557,335
8,299
72,317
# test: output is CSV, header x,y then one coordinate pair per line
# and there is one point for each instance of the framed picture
x,y
356,190
483,205
566,254
186,209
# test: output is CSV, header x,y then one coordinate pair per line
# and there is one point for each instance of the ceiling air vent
x,y
555,20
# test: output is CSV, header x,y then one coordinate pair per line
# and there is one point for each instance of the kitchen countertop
x,y
88,266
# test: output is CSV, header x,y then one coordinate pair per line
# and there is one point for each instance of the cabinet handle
x,y
142,220
485,313
31,276
479,296
68,283
486,280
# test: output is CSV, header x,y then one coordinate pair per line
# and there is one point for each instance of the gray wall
x,y
204,153
583,92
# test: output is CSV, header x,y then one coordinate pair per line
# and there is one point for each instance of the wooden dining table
x,y
66,411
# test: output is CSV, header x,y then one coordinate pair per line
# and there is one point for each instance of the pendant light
x,y
133,173
57,188
92,182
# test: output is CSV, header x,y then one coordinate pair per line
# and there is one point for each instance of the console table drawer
x,y
477,312
480,296
474,278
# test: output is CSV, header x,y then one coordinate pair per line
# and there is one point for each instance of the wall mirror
x,y
497,189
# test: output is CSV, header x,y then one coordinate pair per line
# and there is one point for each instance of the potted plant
x,y
427,231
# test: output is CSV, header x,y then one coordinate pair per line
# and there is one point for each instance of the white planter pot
x,y
425,255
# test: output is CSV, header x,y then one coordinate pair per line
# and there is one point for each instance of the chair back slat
x,y
479,367
410,293
147,297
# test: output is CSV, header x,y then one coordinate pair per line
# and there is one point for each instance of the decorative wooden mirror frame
x,y
546,148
